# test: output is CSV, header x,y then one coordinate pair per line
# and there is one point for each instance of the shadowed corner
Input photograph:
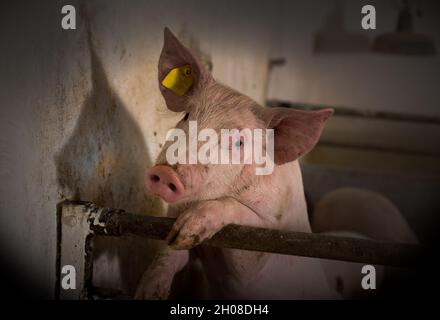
x,y
104,161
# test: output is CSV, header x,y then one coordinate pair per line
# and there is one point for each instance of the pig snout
x,y
164,182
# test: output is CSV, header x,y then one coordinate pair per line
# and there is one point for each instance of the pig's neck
x,y
279,199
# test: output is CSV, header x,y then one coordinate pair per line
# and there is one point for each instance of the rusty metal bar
x,y
112,222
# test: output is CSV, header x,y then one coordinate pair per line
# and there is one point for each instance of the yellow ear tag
x,y
179,80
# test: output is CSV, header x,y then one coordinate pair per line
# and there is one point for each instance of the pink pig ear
x,y
175,55
296,131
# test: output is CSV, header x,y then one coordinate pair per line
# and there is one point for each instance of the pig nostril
x,y
172,187
154,178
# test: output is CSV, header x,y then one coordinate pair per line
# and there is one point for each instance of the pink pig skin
x,y
245,274
208,197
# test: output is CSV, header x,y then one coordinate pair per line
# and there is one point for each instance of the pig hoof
x,y
195,226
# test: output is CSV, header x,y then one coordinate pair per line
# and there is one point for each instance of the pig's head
x,y
216,106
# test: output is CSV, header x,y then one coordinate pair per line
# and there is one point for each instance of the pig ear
x,y
180,73
296,131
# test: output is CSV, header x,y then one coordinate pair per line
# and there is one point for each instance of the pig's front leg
x,y
157,279
202,220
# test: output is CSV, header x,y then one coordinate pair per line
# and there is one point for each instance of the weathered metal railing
x,y
79,222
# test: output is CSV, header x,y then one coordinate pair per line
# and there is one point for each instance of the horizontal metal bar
x,y
376,148
112,222
350,112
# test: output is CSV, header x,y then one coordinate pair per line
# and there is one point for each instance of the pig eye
x,y
239,143
186,116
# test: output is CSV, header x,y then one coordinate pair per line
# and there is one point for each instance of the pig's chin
x,y
187,200
170,200
176,200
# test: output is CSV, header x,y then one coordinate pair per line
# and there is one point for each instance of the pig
x,y
205,198
361,213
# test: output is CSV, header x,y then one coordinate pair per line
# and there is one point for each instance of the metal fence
x,y
79,222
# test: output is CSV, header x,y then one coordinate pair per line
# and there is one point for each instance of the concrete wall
x,y
81,116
